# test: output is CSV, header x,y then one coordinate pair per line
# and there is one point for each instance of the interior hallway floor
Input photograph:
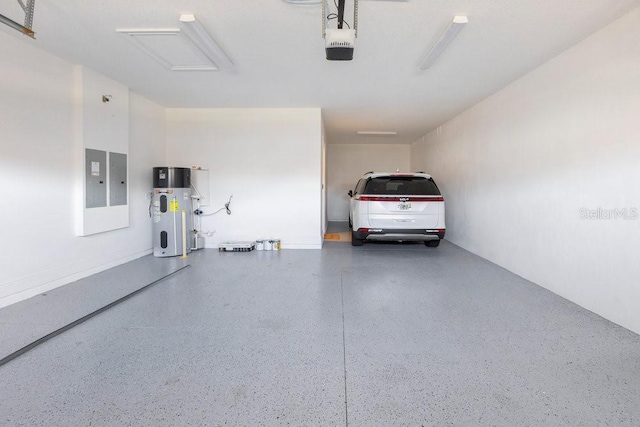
x,y
381,335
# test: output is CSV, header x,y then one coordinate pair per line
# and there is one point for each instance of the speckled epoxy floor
x,y
384,334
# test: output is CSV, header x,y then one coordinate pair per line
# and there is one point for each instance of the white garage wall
x,y
270,160
38,169
346,163
520,170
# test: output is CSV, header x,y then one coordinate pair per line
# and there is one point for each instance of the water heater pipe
x,y
184,234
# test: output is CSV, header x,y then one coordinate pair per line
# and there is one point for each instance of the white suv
x,y
396,206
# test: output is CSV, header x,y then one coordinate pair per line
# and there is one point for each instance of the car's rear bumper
x,y
399,234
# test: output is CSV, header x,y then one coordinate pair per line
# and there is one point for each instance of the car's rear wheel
x,y
432,243
355,241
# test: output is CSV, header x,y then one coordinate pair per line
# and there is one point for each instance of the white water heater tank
x,y
171,197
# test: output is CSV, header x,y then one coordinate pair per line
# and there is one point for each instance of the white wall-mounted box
x,y
102,147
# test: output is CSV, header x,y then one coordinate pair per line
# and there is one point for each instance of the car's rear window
x,y
410,186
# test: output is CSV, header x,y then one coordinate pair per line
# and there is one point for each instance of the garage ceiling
x,y
278,52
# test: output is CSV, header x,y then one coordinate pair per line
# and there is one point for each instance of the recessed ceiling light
x,y
377,132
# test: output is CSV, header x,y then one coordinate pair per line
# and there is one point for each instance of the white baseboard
x,y
295,246
27,287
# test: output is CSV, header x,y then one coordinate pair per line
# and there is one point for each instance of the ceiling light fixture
x,y
377,132
149,39
203,41
449,34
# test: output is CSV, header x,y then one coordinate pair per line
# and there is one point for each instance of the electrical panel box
x,y
102,118
117,179
96,178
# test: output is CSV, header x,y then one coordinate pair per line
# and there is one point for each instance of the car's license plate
x,y
404,206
